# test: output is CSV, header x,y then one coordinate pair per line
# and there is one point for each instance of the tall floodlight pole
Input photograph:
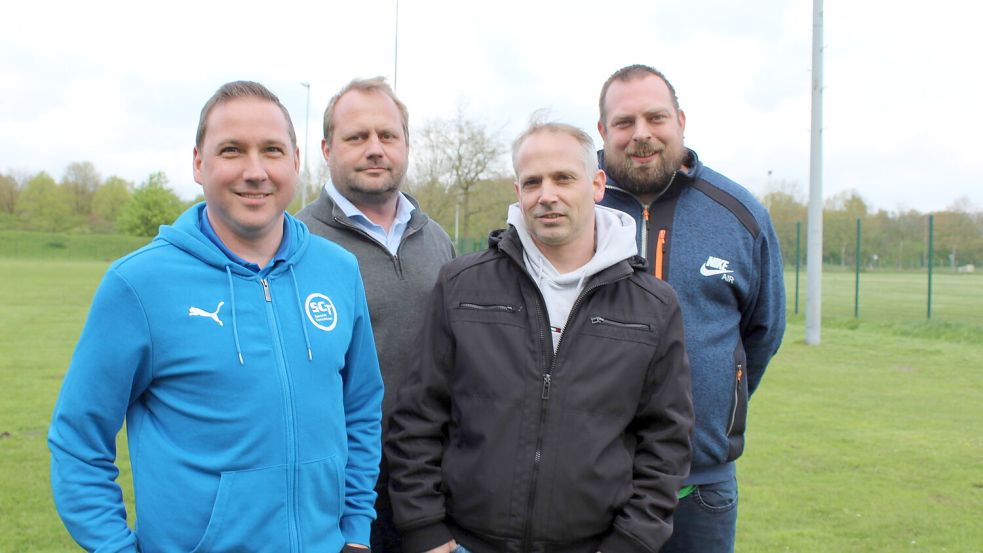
x,y
307,171
396,48
814,246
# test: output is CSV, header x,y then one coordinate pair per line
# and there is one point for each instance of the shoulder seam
x,y
731,203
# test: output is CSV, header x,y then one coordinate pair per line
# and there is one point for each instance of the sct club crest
x,y
321,312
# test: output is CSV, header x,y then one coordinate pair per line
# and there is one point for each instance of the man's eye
x,y
229,150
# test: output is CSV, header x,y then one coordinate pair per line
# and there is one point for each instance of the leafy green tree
x,y
43,206
840,226
110,200
9,190
785,212
153,204
80,183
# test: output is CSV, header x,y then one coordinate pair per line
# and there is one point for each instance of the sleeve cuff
x,y
617,542
426,537
356,529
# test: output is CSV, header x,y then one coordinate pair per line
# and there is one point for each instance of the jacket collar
x,y
507,242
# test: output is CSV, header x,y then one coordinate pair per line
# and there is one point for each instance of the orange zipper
x,y
660,245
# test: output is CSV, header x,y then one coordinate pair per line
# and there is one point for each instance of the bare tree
x,y
459,156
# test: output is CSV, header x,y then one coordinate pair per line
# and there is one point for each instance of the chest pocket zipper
x,y
602,321
480,307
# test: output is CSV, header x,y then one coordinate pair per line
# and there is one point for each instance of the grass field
x,y
869,442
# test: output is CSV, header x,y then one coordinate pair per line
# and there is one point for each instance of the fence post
x,y
798,243
931,259
856,292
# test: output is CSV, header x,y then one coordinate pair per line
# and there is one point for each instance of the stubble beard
x,y
646,180
353,188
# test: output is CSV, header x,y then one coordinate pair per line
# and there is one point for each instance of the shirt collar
x,y
280,255
404,209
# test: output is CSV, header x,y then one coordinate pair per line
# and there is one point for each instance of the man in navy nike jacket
x,y
715,244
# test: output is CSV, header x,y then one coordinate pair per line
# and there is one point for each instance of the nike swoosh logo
x,y
713,272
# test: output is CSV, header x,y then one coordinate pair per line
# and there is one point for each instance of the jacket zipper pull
x,y
266,289
546,386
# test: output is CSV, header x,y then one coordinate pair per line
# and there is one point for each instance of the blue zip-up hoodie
x,y
719,251
252,401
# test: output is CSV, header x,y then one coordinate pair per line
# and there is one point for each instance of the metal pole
x,y
814,255
798,262
307,124
856,289
396,49
931,259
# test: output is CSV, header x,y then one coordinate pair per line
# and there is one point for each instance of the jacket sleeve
x,y
417,433
662,428
763,319
109,370
363,391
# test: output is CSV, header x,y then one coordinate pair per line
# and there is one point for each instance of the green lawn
x,y
869,442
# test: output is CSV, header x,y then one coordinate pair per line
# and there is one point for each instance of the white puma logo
x,y
196,312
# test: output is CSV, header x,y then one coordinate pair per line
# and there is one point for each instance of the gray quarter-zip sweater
x,y
397,286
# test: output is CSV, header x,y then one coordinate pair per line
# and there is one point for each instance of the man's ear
x,y
601,129
196,166
600,179
325,149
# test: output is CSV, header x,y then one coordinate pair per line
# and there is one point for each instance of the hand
x,y
448,547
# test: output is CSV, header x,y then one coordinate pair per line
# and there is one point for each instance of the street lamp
x,y
307,124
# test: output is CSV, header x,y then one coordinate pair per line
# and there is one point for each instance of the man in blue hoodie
x,y
238,349
714,243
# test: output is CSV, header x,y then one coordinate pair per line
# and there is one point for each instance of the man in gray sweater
x,y
399,248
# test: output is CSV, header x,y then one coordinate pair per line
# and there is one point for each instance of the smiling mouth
x,y
253,195
644,158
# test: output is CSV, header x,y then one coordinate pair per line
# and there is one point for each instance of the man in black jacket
x,y
549,408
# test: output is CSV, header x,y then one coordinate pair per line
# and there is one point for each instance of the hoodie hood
x,y
186,235
614,242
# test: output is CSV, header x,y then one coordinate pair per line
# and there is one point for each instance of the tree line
x,y
890,240
461,178
83,202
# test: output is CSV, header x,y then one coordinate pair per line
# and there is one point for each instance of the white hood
x,y
615,242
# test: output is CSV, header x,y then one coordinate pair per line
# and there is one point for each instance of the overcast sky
x,y
120,84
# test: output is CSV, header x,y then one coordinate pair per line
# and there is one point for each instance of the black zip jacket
x,y
504,446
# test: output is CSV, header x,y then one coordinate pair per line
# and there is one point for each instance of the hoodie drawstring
x,y
300,307
235,326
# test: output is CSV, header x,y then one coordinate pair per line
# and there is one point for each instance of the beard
x,y
653,178
360,190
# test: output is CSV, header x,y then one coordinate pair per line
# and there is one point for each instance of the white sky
x,y
120,84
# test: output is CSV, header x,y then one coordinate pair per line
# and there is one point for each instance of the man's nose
x,y
373,146
547,192
642,131
255,169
